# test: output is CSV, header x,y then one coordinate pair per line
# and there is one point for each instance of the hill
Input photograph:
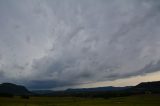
x,y
9,88
152,87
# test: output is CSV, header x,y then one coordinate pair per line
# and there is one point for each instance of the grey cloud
x,y
92,41
149,68
1,73
47,84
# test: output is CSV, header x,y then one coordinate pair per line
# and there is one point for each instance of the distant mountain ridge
x,y
142,88
109,88
41,92
97,89
9,88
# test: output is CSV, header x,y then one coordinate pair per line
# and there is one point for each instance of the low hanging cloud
x,y
48,44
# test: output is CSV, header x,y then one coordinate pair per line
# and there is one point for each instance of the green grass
x,y
140,100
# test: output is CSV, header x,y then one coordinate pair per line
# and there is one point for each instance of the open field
x,y
141,100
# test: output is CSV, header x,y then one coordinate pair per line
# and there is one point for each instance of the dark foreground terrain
x,y
136,100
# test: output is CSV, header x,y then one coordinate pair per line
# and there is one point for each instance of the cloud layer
x,y
56,43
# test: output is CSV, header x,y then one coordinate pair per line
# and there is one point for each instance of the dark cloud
x,y
149,68
91,41
1,73
46,84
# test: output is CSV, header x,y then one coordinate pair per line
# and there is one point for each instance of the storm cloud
x,y
56,43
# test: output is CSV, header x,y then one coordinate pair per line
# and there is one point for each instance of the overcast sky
x,y
45,44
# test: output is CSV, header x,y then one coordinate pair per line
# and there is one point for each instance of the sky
x,y
54,44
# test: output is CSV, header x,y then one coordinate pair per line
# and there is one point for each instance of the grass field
x,y
140,100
